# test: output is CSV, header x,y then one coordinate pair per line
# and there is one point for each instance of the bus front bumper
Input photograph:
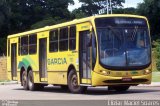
x,y
103,80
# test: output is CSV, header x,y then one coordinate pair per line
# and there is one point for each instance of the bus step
x,y
85,85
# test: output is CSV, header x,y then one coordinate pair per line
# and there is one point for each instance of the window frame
x,y
32,44
64,39
71,37
25,45
54,41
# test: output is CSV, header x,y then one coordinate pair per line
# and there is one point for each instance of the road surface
x,y
16,92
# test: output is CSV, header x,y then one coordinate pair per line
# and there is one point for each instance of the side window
x,y
53,41
72,38
33,44
8,47
24,45
63,39
19,46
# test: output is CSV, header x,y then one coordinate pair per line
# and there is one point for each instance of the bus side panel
x,y
27,61
34,65
58,64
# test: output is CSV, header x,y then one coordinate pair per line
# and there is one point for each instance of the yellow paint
x,y
83,26
14,78
86,81
102,78
57,73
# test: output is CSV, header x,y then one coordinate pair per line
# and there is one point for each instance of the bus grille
x,y
132,81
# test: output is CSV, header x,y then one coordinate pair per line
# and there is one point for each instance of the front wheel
x,y
121,88
73,83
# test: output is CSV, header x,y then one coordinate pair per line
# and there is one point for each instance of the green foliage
x,y
90,7
157,46
130,10
21,15
151,9
156,77
77,14
5,14
47,22
28,12
3,46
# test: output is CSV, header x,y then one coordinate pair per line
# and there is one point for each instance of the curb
x,y
9,83
153,84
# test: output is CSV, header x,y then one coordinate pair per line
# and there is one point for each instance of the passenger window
x,y
63,40
72,38
33,44
53,41
24,45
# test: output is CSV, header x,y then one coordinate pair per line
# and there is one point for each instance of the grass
x,y
154,57
156,77
4,80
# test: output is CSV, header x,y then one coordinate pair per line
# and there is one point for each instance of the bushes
x,y
157,53
3,46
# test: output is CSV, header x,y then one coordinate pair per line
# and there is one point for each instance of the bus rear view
x,y
124,52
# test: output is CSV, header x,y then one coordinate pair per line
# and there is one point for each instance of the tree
x,y
47,22
156,55
5,14
91,7
21,15
78,13
151,9
29,12
130,10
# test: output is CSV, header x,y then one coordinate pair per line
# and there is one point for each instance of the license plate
x,y
126,79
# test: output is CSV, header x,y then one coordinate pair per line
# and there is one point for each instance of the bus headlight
x,y
148,71
105,72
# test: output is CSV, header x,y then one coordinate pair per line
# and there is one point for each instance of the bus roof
x,y
75,21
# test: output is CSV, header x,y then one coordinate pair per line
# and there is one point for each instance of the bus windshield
x,y
123,42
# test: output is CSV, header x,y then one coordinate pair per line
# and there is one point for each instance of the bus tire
x,y
25,80
32,86
73,83
121,88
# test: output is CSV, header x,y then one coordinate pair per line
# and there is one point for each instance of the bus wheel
x,y
73,83
121,88
24,80
32,86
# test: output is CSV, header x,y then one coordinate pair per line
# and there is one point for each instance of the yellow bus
x,y
104,50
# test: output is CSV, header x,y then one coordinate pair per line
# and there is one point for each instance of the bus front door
x,y
43,59
85,57
14,61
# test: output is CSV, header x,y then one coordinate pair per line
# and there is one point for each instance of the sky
x,y
128,3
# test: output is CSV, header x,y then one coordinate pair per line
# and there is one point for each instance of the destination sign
x,y
120,22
